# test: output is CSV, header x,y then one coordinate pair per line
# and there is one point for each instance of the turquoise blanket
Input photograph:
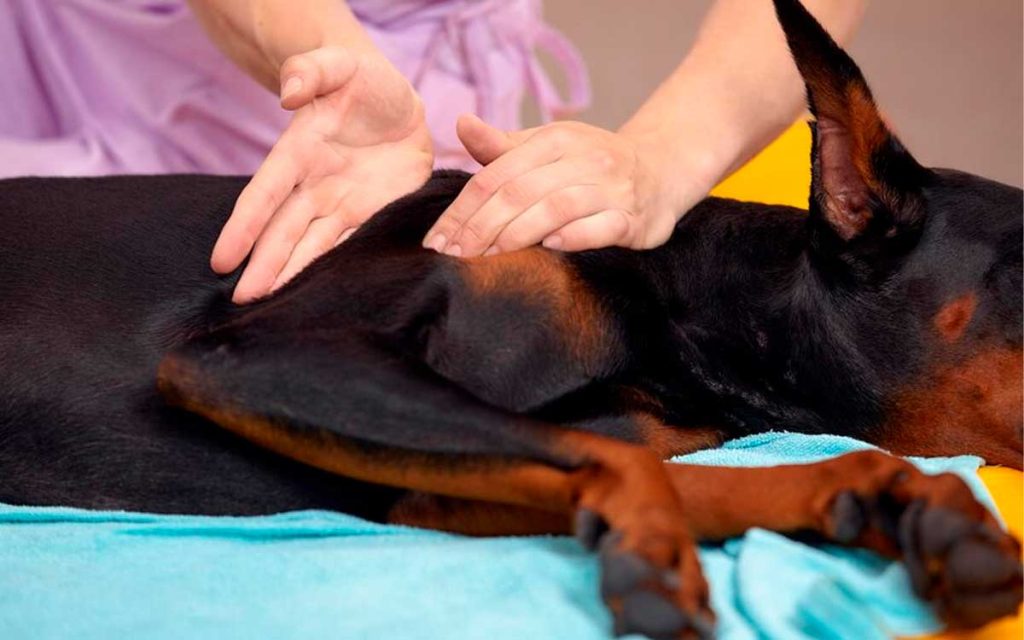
x,y
69,573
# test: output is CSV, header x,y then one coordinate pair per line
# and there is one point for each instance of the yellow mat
x,y
781,174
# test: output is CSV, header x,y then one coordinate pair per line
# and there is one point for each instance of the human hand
x,y
358,140
568,185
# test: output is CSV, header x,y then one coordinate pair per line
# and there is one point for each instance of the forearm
x,y
259,35
733,93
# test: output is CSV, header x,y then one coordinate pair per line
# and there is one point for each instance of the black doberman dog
x,y
539,391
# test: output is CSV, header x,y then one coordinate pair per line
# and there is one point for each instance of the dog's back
x,y
101,278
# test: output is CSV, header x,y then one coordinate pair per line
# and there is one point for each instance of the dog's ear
x,y
865,191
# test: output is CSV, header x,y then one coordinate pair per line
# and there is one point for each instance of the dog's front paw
x,y
651,579
969,569
957,556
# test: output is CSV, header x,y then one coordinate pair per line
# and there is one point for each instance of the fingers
x,y
569,185
603,229
611,227
514,198
274,247
362,130
320,237
569,219
346,235
484,142
255,206
315,73
483,186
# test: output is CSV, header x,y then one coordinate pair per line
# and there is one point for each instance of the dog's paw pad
x,y
972,610
940,528
848,516
977,566
589,528
648,613
971,571
658,602
913,559
622,571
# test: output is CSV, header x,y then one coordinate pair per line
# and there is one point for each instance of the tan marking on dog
x,y
474,517
868,130
953,319
668,441
489,478
851,122
542,277
975,406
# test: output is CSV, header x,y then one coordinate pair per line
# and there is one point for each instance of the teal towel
x,y
70,573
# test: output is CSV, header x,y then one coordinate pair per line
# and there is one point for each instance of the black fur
x,y
751,317
727,324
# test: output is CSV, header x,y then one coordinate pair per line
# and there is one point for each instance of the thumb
x,y
484,142
315,73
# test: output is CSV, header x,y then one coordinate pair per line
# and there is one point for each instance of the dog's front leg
x,y
340,403
956,553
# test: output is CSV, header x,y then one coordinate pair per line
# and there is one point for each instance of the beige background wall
x,y
948,73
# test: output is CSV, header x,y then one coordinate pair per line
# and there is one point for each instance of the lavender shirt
x,y
94,87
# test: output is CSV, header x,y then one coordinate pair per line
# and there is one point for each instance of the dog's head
x,y
927,260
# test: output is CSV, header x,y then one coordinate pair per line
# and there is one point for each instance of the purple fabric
x,y
134,86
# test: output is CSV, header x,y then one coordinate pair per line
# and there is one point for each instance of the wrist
x,y
684,161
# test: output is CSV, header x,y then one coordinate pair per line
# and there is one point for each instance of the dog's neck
x,y
762,325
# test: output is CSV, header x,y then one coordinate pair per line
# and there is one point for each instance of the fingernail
x,y
553,242
492,251
291,86
454,250
436,242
